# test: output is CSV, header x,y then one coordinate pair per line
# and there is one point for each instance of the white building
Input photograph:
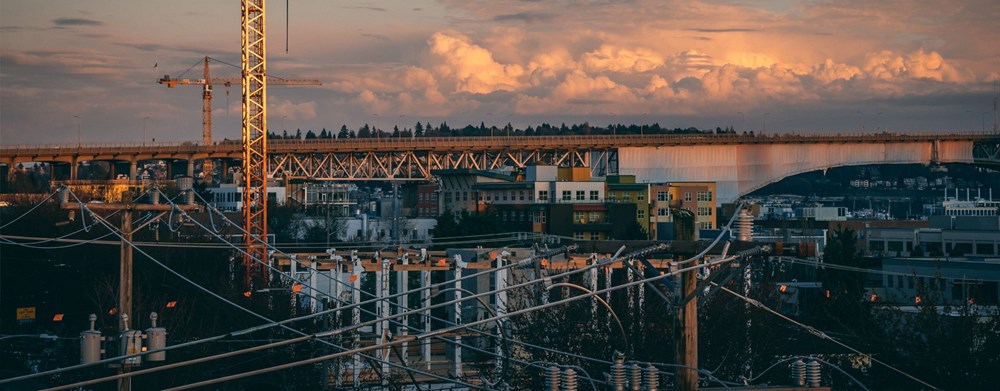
x,y
229,197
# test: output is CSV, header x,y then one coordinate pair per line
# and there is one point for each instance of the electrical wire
x,y
182,277
820,334
39,204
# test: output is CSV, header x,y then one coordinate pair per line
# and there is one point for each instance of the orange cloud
x,y
472,67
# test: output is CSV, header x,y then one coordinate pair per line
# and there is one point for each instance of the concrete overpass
x,y
739,163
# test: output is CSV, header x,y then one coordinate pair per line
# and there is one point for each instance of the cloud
x,y
730,30
472,68
527,17
285,108
919,64
76,22
379,37
616,59
369,8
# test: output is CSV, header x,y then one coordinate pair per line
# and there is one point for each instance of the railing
x,y
497,142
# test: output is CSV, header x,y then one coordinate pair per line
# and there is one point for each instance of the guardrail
x,y
488,142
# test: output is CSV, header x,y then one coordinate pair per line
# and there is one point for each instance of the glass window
x,y
641,196
543,195
521,195
578,235
663,212
626,196
687,196
580,195
640,213
662,196
579,217
593,195
567,195
702,211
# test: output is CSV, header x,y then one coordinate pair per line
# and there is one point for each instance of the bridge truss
x,y
417,164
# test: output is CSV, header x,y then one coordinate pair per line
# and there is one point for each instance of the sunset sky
x,y
810,66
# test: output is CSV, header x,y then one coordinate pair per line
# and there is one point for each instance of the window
x,y
593,195
578,235
687,196
580,217
541,216
641,196
521,195
594,217
567,195
594,235
580,195
447,196
543,195
705,225
627,196
505,196
662,196
531,196
663,212
611,196
702,211
465,196
504,214
640,213
704,196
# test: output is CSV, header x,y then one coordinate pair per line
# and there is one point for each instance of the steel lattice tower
x,y
254,136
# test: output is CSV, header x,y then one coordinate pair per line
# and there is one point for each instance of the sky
x,y
88,69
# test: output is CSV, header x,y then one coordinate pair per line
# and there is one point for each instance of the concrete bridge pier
x,y
133,169
74,166
190,167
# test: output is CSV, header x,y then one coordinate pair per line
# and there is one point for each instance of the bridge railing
x,y
491,142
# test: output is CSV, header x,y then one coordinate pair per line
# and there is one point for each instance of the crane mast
x,y
254,66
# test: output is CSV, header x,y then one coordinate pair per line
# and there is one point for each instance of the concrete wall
x,y
739,169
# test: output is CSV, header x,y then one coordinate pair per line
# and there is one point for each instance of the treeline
x,y
444,130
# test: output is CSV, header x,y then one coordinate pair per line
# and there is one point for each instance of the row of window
x,y
520,215
587,235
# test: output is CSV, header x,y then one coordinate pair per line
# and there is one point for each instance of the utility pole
x,y
125,265
687,334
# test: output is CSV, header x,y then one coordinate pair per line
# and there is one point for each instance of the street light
x,y
77,130
144,130
599,299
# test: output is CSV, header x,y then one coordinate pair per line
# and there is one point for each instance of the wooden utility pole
x,y
125,265
687,333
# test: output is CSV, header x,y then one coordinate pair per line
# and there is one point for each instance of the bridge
x,y
738,163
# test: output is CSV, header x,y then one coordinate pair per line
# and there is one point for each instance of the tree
x,y
344,133
310,135
846,305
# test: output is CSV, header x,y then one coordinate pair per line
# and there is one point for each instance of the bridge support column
x,y
935,151
133,169
73,165
190,167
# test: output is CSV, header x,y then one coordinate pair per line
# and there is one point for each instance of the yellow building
x,y
665,200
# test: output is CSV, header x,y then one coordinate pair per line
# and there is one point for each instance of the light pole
x,y
144,130
77,117
599,299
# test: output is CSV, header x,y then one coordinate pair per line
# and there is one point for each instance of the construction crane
x,y
254,61
207,81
